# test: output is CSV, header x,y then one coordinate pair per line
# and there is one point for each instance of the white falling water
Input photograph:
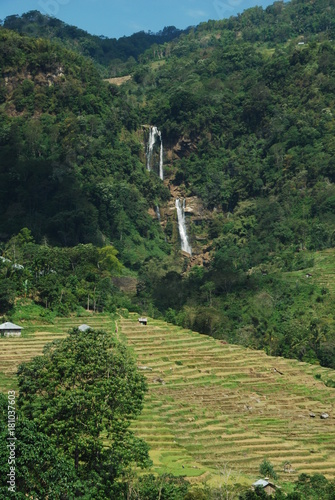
x,y
158,213
150,147
153,135
185,246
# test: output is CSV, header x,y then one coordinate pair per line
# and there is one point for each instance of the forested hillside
x,y
256,112
246,111
66,172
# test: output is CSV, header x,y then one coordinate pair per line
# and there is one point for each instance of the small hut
x,y
143,321
269,488
10,330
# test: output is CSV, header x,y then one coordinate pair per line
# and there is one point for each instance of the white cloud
x,y
196,13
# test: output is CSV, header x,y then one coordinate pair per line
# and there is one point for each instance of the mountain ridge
x,y
101,49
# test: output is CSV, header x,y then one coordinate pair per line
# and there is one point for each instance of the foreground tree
x,y
84,393
41,471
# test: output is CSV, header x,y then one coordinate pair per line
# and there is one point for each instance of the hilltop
x,y
106,52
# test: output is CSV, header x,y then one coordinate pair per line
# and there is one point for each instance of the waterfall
x,y
158,213
153,135
150,147
185,246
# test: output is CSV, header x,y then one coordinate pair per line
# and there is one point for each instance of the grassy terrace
x,y
14,351
211,404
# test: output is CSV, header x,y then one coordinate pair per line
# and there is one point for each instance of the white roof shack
x,y
261,482
267,486
8,329
84,328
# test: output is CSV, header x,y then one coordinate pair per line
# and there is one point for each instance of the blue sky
x,y
116,18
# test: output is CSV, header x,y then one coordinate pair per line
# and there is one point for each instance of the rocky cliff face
x,y
184,147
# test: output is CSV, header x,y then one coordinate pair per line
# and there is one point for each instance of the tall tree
x,y
84,393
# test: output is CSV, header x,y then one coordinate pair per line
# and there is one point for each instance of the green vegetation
x,y
70,154
62,280
196,427
86,386
246,110
266,470
250,105
40,469
83,390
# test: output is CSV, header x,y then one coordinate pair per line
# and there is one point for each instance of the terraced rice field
x,y
14,351
211,405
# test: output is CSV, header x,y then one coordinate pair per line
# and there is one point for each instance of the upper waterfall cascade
x,y
185,246
155,135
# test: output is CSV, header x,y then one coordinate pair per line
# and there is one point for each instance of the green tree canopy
x,y
41,471
84,393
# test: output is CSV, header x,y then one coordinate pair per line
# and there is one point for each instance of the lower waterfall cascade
x,y
185,246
